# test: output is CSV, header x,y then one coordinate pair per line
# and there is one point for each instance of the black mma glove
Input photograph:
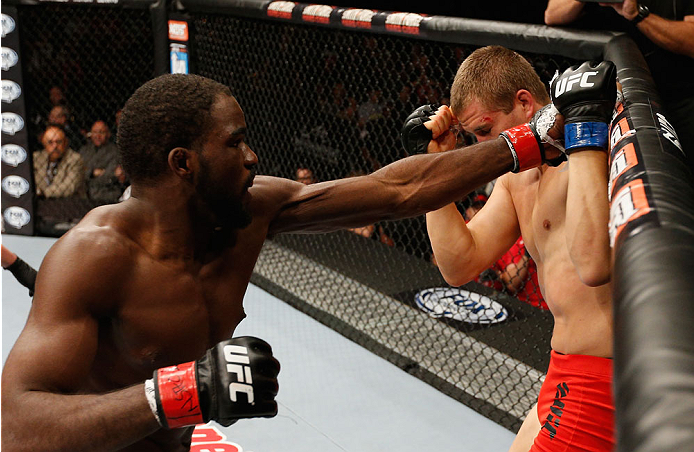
x,y
414,135
585,95
527,142
25,274
235,379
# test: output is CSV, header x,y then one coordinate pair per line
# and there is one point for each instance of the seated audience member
x,y
664,32
103,174
515,272
305,176
60,116
58,170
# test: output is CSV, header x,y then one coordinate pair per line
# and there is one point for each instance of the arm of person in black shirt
x,y
676,36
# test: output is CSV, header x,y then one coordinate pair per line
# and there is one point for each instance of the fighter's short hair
x,y
169,111
493,75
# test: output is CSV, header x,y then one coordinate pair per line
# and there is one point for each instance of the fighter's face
x,y
487,123
227,165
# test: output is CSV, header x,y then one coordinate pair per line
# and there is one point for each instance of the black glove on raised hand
x,y
414,135
235,379
585,95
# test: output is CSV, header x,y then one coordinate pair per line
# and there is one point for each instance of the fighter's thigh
x,y
527,433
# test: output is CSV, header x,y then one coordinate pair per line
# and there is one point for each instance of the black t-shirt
x,y
672,73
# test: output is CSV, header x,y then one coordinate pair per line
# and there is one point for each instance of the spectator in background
x,y
305,175
104,176
58,170
117,120
515,272
60,116
664,32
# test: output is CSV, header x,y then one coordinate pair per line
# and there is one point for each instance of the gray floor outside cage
x,y
335,395
470,365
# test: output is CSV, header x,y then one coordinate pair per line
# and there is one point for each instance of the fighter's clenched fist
x,y
235,379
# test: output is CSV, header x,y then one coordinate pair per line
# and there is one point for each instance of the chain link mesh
x,y
324,103
320,104
81,63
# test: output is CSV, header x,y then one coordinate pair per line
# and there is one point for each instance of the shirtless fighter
x,y
562,214
137,288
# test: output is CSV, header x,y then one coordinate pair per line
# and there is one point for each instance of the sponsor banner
x,y
15,217
207,437
631,210
10,91
17,182
408,23
179,58
358,18
178,30
281,10
620,127
10,58
13,154
461,305
317,13
625,161
12,123
8,25
668,137
15,186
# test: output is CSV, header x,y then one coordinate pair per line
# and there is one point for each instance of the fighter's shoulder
x,y
515,181
95,243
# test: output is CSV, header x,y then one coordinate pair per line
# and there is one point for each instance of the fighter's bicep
x,y
53,355
495,228
78,281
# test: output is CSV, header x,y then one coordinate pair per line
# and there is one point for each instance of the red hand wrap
x,y
526,146
178,395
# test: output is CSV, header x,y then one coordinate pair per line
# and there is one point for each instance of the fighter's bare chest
x,y
169,314
541,207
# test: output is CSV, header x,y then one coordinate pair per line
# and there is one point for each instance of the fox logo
x,y
565,85
237,360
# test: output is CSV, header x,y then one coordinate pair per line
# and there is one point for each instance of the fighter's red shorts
x,y
575,406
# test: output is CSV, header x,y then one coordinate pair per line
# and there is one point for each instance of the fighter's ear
x,y
180,162
526,101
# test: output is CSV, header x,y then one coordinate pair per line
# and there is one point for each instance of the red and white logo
x,y
404,22
207,438
282,10
620,130
357,18
624,160
178,30
630,203
317,13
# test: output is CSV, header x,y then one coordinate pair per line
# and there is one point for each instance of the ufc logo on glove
x,y
209,388
236,356
565,84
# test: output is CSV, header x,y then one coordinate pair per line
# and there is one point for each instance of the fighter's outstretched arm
x,y
52,358
406,188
